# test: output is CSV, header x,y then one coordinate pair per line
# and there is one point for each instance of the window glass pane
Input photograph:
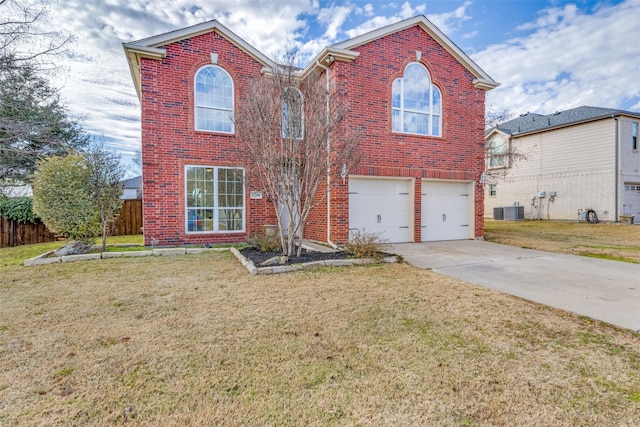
x,y
395,93
436,100
435,125
416,123
395,120
230,220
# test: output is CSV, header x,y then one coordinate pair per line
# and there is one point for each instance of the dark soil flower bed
x,y
257,257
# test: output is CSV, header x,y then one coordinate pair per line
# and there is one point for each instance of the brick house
x,y
577,159
418,99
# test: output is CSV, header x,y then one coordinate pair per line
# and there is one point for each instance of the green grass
x,y
12,257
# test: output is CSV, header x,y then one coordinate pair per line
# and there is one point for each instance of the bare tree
x,y
106,188
33,122
23,39
293,130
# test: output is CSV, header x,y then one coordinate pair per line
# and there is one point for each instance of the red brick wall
x,y
458,154
169,141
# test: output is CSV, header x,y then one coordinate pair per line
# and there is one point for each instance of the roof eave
x,y
134,53
150,47
327,56
482,81
564,125
485,84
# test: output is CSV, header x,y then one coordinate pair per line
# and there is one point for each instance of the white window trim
x,y
196,106
505,160
215,207
634,136
402,109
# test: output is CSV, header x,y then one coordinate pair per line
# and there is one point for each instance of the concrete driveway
x,y
600,289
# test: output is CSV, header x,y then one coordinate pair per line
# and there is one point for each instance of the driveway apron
x,y
601,289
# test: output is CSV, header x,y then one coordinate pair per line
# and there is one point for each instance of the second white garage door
x,y
381,206
446,210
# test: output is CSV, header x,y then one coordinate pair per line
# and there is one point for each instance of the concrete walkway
x,y
601,289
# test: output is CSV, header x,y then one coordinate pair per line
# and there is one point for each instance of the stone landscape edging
x,y
47,258
248,264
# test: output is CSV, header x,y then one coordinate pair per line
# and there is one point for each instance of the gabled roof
x,y
532,123
482,80
151,47
135,182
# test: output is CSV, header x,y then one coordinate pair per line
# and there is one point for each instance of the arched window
x,y
214,100
416,104
292,113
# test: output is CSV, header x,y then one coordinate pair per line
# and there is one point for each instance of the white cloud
x,y
95,81
571,58
333,17
446,22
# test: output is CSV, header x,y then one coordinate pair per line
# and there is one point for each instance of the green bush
x,y
19,210
62,198
363,244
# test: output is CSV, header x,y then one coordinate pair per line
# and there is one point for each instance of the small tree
x,y
292,128
62,197
106,186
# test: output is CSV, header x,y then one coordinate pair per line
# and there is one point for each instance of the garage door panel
x,y
445,211
631,201
380,206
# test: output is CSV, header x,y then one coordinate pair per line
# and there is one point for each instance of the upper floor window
x,y
292,113
497,152
416,105
634,135
213,100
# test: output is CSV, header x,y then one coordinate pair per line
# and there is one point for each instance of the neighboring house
x,y
416,99
132,188
583,158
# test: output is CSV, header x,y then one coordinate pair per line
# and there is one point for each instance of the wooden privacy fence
x,y
130,220
16,234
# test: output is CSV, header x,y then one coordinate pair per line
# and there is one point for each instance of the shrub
x,y
363,244
266,241
62,197
18,210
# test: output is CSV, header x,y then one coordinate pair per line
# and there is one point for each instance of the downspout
x,y
617,169
326,71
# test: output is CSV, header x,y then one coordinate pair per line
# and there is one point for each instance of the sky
x,y
547,55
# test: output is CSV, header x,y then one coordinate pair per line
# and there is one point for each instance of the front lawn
x,y
195,340
604,240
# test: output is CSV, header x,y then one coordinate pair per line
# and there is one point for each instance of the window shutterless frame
x,y
213,100
214,199
416,103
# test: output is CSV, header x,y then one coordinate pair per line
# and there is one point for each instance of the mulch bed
x,y
258,257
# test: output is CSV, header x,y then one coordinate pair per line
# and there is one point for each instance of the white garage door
x,y
631,202
446,211
381,206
